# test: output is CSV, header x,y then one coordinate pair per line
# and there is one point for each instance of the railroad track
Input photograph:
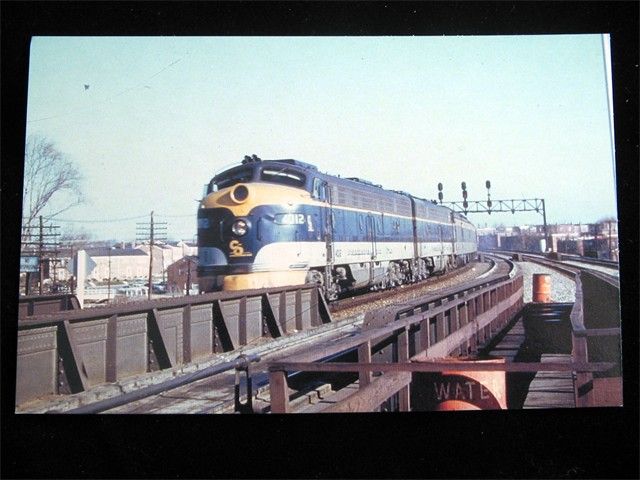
x,y
573,267
358,305
570,265
217,393
308,389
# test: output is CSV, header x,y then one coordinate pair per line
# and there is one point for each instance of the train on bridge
x,y
270,223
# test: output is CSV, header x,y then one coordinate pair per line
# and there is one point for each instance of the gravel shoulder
x,y
563,289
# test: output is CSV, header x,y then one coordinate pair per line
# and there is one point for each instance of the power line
x,y
102,221
139,86
192,215
113,220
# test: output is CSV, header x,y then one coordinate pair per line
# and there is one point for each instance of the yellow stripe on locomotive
x,y
241,198
281,222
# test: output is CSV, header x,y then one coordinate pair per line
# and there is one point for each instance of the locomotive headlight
x,y
240,227
240,194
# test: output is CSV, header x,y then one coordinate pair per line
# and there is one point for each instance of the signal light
x,y
464,186
440,196
439,187
465,204
488,184
464,194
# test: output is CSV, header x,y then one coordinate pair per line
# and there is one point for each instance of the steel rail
x,y
572,270
568,269
484,306
565,256
241,362
398,322
74,360
374,295
592,261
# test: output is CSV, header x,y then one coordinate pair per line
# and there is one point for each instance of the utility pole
x,y
72,277
43,246
610,247
40,251
109,279
150,284
188,276
154,231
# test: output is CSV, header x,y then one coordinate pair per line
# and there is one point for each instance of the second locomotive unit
x,y
268,223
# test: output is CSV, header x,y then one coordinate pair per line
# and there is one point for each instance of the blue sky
x,y
163,114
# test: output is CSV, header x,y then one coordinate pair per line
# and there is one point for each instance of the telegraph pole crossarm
x,y
154,231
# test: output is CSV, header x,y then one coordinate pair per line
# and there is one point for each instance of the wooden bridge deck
x,y
551,389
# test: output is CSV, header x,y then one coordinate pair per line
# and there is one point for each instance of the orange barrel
x,y
542,287
465,390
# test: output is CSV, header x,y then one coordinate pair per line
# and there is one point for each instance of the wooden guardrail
x,y
596,337
459,324
455,324
72,351
595,331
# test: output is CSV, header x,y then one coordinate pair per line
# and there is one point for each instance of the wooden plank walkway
x,y
546,390
330,398
551,389
509,345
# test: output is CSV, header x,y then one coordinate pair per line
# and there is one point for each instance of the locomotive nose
x,y
239,194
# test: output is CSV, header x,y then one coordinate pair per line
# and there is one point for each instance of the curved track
x,y
216,394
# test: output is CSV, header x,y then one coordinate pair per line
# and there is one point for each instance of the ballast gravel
x,y
563,289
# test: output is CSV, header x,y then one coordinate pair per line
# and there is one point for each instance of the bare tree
x,y
48,176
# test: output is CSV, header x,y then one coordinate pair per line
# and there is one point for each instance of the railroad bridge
x,y
286,351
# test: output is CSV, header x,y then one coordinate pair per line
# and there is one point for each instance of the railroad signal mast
x,y
498,206
151,232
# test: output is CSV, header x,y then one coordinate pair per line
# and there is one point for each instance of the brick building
x,y
181,273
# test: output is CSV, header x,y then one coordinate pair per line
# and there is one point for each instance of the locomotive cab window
x,y
228,179
319,189
285,176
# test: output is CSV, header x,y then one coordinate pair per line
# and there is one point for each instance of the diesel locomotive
x,y
269,223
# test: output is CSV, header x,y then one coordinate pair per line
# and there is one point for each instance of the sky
x,y
162,115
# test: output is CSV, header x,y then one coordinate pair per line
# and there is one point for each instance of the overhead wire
x,y
100,221
140,85
68,220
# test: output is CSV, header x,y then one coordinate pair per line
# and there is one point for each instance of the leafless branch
x,y
48,175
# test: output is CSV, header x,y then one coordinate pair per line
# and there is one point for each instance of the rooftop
x,y
114,252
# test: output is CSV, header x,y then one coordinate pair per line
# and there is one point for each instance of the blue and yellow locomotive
x,y
268,223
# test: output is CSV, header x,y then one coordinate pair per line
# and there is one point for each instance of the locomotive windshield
x,y
273,174
230,178
285,176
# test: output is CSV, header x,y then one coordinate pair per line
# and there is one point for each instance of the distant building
x,y
181,273
488,241
167,253
588,239
115,260
118,263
